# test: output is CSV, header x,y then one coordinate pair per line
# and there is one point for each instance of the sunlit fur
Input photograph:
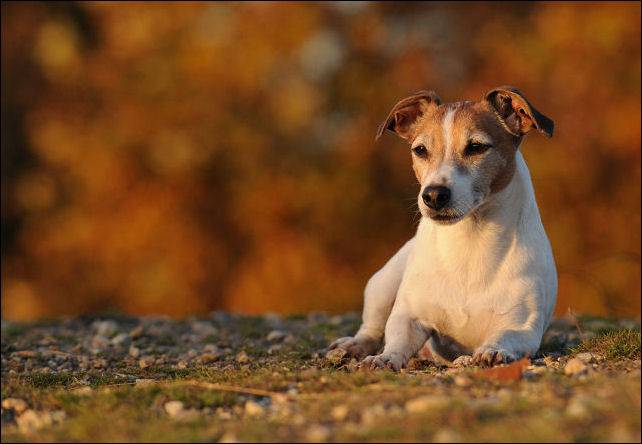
x,y
481,284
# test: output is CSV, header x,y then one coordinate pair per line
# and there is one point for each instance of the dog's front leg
x,y
404,338
380,294
508,345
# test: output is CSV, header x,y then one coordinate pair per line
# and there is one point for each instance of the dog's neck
x,y
485,235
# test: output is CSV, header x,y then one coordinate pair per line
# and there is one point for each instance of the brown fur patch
x,y
469,118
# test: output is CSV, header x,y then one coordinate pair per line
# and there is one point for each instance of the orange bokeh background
x,y
183,157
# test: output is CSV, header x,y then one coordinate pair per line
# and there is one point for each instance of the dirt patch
x,y
233,378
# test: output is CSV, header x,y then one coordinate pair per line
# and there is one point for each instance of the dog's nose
x,y
436,197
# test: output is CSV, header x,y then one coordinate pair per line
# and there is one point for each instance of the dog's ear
x,y
404,115
516,113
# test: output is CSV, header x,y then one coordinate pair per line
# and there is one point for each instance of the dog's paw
x,y
490,356
357,347
392,361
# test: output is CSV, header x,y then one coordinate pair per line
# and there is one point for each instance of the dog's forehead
x,y
469,114
461,119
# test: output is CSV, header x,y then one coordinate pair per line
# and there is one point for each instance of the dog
x,y
478,278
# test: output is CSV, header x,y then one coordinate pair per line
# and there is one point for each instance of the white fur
x,y
449,118
485,286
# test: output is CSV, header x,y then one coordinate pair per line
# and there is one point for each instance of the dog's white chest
x,y
464,282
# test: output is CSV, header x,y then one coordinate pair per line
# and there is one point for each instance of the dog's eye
x,y
475,148
420,151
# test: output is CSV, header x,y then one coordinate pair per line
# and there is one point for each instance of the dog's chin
x,y
443,218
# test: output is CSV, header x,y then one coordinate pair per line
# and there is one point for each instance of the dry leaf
x,y
510,372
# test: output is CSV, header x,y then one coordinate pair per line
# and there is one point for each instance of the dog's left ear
x,y
404,115
517,114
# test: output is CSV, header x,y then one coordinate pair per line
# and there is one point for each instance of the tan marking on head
x,y
499,120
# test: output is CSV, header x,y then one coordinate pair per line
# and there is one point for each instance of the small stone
x,y
229,437
589,358
119,338
426,404
138,331
100,342
207,358
84,391
32,420
575,367
204,329
318,433
105,328
181,365
289,340
340,412
253,408
191,353
146,361
462,381
463,361
223,414
242,358
535,370
18,405
336,356
447,434
276,336
144,382
577,408
373,414
174,408
211,348
134,352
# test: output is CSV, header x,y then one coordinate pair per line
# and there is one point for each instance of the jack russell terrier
x,y
478,278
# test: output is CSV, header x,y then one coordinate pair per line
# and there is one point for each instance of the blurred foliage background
x,y
182,157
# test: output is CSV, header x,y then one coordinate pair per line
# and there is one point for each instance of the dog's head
x,y
463,152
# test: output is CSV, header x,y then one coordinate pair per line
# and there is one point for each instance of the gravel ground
x,y
268,379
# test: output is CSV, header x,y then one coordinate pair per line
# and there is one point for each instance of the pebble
x,y
340,412
120,338
242,358
276,336
229,437
318,433
83,391
18,405
575,367
144,382
253,408
99,341
207,358
204,329
191,353
426,403
105,328
576,407
211,348
135,333
462,381
146,361
535,370
134,352
32,420
588,357
446,434
174,408
372,415
463,361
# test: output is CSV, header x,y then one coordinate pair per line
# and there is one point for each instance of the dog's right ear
x,y
405,114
